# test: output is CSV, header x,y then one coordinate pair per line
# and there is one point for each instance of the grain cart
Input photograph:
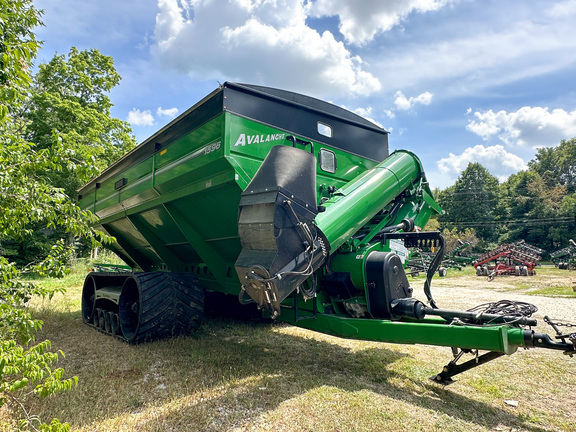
x,y
287,202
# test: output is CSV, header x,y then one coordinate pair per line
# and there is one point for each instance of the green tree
x,y
472,202
521,195
28,199
18,46
453,238
537,211
68,109
557,165
69,98
568,211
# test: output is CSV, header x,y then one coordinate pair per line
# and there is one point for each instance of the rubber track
x,y
170,304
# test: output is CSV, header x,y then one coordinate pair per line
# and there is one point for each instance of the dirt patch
x,y
467,291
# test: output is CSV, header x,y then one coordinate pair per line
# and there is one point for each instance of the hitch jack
x,y
452,368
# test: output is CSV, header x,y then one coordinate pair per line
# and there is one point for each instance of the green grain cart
x,y
290,203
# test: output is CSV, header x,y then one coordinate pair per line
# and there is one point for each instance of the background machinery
x,y
517,259
289,203
420,261
457,258
565,258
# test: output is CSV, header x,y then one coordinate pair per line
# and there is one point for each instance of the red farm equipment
x,y
516,259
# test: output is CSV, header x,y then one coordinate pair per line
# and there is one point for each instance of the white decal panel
x,y
397,245
244,139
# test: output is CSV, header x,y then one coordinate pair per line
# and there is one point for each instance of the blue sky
x,y
455,81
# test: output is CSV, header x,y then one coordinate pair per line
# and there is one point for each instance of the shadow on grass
x,y
234,371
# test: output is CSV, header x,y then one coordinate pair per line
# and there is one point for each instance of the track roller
x,y
114,323
107,323
101,321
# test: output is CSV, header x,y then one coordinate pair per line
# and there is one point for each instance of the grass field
x,y
244,375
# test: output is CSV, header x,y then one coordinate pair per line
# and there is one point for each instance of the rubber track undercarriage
x,y
138,307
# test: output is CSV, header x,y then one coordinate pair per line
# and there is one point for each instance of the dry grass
x,y
243,375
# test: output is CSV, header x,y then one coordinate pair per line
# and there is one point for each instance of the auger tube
x,y
353,205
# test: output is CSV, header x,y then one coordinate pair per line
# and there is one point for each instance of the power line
x,y
527,222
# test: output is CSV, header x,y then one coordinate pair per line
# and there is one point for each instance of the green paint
x,y
357,202
496,338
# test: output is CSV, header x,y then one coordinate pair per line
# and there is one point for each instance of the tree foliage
x,y
69,98
537,205
557,165
67,116
471,202
453,238
18,46
540,201
28,199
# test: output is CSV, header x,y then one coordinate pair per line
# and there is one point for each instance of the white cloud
x,y
529,127
140,118
403,103
145,117
473,54
366,113
496,159
257,41
389,113
168,112
561,9
361,21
